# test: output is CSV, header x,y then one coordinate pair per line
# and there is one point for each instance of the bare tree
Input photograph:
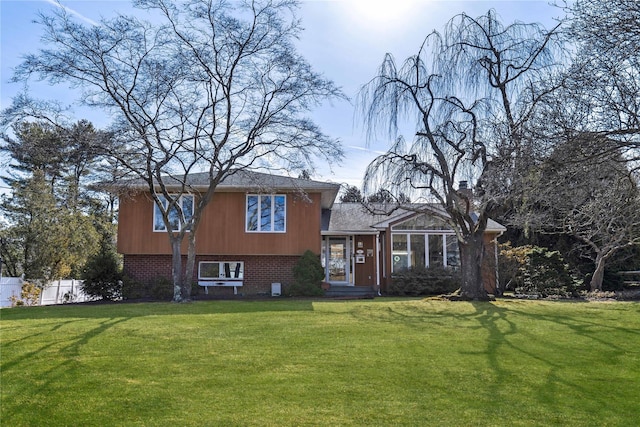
x,y
468,93
211,85
590,196
602,86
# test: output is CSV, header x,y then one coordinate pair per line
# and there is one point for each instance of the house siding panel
x,y
222,228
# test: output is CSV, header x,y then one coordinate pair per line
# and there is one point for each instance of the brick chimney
x,y
465,190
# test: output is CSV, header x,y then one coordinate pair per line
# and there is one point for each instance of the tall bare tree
x,y
209,85
468,93
603,82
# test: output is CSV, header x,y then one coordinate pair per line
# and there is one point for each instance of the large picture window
x,y
266,213
412,250
186,204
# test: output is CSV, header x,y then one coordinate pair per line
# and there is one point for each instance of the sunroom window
x,y
186,204
412,250
266,213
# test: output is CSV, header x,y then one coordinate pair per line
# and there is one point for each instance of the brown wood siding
x,y
222,228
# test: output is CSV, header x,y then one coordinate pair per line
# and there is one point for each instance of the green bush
x,y
534,270
102,276
612,281
424,281
307,276
160,288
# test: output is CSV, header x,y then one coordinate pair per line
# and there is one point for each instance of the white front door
x,y
338,267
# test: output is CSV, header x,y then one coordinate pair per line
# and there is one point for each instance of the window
x,y
215,270
423,222
266,213
186,204
411,250
436,254
400,254
453,253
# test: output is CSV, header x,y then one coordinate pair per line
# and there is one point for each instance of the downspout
x,y
378,263
495,250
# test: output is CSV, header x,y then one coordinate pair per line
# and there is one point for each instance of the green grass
x,y
302,362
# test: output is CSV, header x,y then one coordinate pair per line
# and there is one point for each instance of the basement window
x,y
221,270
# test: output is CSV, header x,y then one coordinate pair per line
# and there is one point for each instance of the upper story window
x,y
186,204
266,213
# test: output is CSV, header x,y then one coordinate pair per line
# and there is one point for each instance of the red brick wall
x,y
259,271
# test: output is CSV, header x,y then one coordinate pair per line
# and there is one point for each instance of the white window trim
x,y
221,275
259,211
156,210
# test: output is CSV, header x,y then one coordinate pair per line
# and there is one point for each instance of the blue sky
x,y
344,39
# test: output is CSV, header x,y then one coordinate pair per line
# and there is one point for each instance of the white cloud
x,y
71,11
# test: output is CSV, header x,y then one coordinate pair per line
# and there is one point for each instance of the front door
x,y
339,265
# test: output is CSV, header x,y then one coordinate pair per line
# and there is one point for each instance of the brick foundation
x,y
259,271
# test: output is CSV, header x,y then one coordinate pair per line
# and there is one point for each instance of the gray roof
x,y
239,180
351,217
356,218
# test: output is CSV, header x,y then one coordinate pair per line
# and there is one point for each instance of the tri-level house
x,y
258,225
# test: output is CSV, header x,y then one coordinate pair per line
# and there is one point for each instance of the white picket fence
x,y
63,291
56,292
9,286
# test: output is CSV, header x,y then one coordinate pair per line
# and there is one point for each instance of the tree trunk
x,y
176,268
189,268
598,274
471,255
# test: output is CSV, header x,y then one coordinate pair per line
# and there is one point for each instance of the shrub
x,y
424,281
102,277
534,270
29,295
307,276
612,281
160,288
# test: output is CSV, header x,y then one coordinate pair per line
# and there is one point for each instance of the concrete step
x,y
350,292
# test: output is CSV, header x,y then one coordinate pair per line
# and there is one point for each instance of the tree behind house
x,y
586,191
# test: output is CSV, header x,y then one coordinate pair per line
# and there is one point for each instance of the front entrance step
x,y
350,292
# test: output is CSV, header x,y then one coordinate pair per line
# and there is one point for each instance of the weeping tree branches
x,y
462,95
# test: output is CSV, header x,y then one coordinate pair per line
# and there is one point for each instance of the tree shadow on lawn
x,y
551,354
504,324
25,394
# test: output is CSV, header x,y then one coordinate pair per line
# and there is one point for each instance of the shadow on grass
x,y
544,349
44,377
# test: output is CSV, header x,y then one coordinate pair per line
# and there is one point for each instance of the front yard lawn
x,y
319,362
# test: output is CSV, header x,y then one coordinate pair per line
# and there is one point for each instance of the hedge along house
x,y
258,225
363,248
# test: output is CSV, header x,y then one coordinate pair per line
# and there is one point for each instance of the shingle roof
x,y
240,180
354,217
351,217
